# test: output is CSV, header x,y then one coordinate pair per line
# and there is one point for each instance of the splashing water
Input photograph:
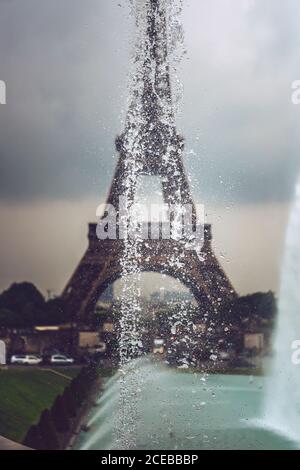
x,y
282,407
149,127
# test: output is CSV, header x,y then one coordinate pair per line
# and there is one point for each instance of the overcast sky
x,y
66,66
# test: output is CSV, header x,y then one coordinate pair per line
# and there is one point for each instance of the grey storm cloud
x,y
66,65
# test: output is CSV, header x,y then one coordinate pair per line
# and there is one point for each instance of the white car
x,y
25,359
100,348
159,346
61,359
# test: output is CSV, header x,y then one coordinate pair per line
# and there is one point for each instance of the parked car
x,y
158,346
26,359
61,359
100,348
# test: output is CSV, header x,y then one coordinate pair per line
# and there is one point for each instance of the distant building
x,y
88,339
254,341
165,296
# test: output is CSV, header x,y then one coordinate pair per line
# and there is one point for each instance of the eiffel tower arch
x,y
100,267
157,151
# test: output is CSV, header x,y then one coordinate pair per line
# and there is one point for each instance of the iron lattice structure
x,y
150,145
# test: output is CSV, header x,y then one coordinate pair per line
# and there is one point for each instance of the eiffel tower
x,y
154,148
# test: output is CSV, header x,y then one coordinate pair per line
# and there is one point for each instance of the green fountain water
x,y
185,410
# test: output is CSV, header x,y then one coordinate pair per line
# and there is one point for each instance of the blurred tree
x,y
25,302
9,319
59,415
33,438
69,402
23,306
54,312
48,431
18,295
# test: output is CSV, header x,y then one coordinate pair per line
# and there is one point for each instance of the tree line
x,y
56,424
23,306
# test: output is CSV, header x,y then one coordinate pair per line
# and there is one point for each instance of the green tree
x,y
77,390
25,301
55,312
9,319
59,414
33,438
48,431
19,295
23,306
69,402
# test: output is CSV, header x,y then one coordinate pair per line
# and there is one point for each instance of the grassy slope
x,y
23,396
